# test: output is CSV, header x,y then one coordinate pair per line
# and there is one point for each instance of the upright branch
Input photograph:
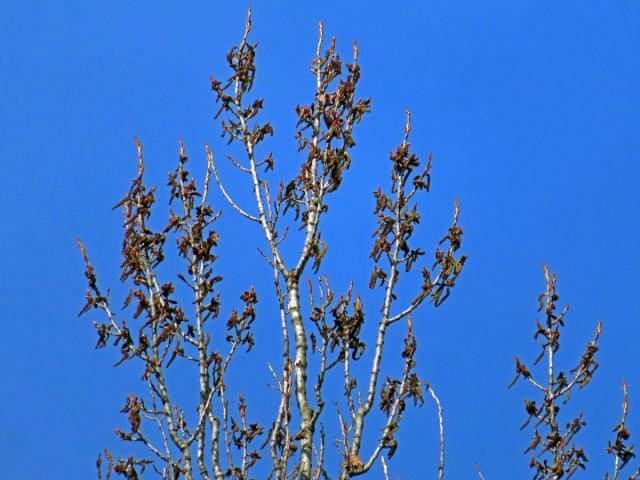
x,y
554,452
325,135
396,219
620,449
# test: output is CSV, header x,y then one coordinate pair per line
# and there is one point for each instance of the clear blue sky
x,y
531,110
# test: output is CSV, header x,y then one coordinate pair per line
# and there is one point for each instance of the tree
x,y
214,436
213,441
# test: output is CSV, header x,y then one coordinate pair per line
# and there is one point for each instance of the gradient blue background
x,y
531,111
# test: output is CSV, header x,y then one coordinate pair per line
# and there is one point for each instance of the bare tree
x,y
554,451
214,440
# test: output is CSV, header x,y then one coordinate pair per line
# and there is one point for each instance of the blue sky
x,y
531,111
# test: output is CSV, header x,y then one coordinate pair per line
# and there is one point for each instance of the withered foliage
x,y
327,335
127,468
553,448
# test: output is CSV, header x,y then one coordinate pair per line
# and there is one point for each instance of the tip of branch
x,y
83,252
625,397
549,276
181,143
355,51
139,148
247,26
81,247
209,154
407,126
456,211
320,37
